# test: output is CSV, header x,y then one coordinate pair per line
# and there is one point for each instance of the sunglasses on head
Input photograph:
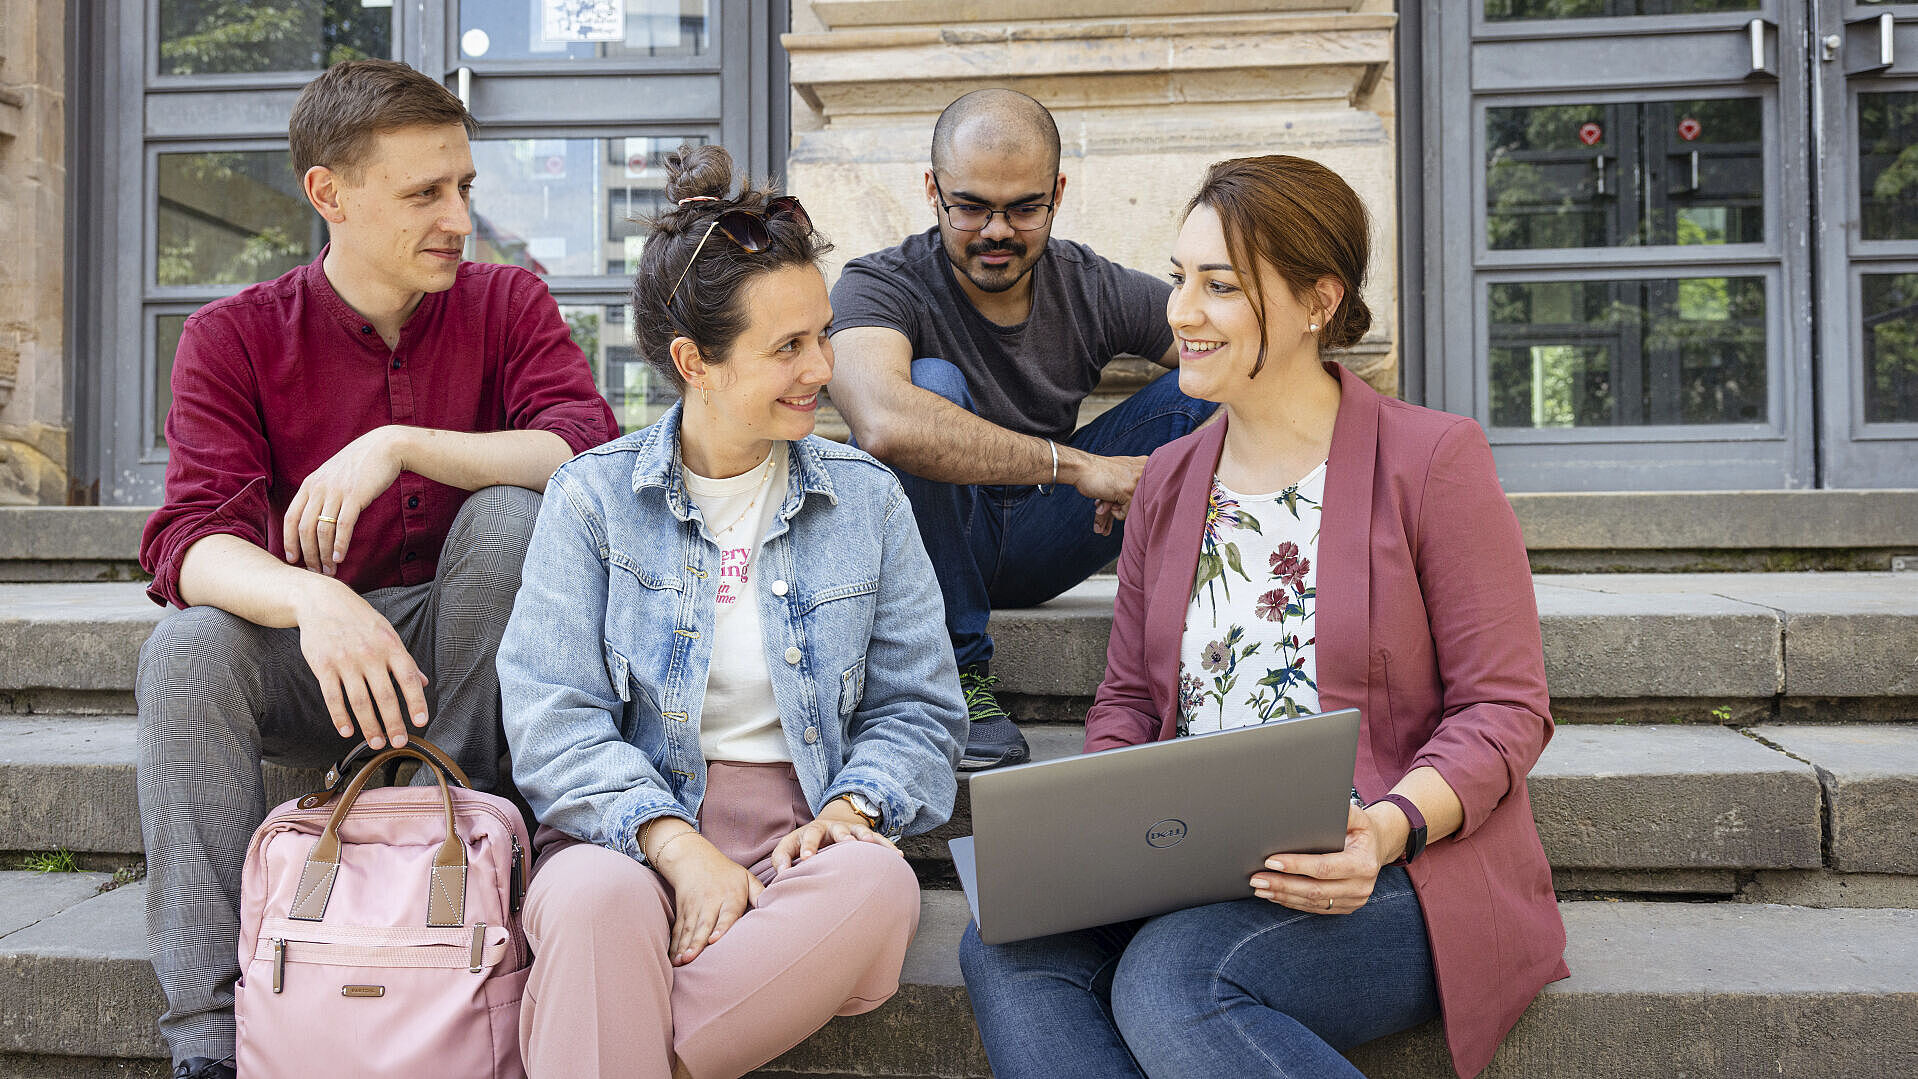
x,y
747,228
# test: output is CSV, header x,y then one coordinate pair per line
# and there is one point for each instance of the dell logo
x,y
1166,833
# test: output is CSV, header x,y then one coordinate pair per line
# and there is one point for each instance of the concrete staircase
x,y
1730,804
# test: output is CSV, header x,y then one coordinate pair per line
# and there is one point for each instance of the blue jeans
x,y
1244,988
1010,546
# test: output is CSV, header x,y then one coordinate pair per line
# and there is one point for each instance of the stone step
x,y
1621,809
1573,532
1700,990
1697,648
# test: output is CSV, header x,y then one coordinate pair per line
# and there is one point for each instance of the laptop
x,y
1082,841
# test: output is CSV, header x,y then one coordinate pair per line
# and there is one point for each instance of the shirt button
x,y
413,502
411,555
397,362
792,655
779,588
366,329
812,735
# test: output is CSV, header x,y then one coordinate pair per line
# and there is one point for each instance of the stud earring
x,y
1314,327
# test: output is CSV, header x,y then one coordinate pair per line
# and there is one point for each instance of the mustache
x,y
1015,248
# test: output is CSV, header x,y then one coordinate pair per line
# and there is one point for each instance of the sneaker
x,y
992,738
204,1068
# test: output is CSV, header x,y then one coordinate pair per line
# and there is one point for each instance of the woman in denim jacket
x,y
725,681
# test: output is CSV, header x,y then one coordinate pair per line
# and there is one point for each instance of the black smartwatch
x,y
1414,843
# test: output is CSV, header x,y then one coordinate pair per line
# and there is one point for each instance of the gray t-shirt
x,y
1027,378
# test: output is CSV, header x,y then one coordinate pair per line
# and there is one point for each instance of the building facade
x,y
1649,244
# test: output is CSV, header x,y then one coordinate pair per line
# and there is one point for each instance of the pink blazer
x,y
1427,623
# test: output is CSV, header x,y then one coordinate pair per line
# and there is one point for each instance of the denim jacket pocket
x,y
852,686
618,671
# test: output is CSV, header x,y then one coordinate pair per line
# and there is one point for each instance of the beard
x,y
996,278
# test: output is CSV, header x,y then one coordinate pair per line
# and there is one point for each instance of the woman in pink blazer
x,y
1320,547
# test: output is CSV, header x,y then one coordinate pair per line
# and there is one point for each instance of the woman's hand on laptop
x,y
1337,883
837,823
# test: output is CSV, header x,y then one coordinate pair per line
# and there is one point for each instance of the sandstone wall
x,y
1146,93
33,421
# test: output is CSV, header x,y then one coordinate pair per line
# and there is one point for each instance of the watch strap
x,y
1415,842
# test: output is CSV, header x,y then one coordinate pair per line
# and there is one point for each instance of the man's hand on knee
x,y
359,659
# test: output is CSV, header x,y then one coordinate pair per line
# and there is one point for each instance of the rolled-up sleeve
x,y
1483,612
905,737
217,456
548,383
558,701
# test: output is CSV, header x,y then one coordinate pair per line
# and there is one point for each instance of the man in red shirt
x,y
356,451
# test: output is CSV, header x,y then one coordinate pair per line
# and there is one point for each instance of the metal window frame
x,y
1455,373
122,114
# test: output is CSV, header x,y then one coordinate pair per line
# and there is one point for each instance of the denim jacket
x,y
603,667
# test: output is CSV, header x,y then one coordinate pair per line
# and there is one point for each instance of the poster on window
x,y
563,21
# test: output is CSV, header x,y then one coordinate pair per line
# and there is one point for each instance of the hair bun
x,y
695,171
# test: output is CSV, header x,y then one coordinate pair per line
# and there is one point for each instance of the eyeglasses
x,y
747,228
968,217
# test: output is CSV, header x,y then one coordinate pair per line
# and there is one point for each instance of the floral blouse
x,y
1248,652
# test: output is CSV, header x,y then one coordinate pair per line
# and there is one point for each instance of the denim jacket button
x,y
779,588
812,735
792,656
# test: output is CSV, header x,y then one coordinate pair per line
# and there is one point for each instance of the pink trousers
x,y
826,938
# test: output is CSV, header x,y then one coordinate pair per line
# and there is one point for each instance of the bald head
x,y
995,121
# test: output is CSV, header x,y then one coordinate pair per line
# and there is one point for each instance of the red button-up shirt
x,y
271,383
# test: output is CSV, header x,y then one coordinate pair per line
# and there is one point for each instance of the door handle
x,y
1683,181
1763,65
1871,45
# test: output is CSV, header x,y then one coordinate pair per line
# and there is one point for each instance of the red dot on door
x,y
1689,129
1590,133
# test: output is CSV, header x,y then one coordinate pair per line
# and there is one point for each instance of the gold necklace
x,y
758,489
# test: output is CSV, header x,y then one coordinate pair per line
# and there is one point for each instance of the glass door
x,y
578,102
1867,83
1619,251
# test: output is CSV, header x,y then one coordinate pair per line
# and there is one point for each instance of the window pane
x,y
1652,172
639,395
231,217
1888,166
200,37
1507,10
564,206
166,342
628,30
1626,353
1891,347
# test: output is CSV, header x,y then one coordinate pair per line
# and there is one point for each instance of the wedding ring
x,y
324,519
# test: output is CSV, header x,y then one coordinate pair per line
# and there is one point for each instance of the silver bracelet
x,y
1046,488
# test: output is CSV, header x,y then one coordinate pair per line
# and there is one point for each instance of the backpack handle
x,y
446,886
337,776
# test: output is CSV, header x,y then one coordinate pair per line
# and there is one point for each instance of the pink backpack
x,y
381,937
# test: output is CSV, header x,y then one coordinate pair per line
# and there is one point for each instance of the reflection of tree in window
x,y
1598,353
1888,166
1501,10
1891,347
1640,181
198,37
231,218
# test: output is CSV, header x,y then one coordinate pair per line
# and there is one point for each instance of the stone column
x,y
33,421
1146,93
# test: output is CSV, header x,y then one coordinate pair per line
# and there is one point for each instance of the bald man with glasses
x,y
963,356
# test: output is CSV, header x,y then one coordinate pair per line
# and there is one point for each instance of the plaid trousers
x,y
217,694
